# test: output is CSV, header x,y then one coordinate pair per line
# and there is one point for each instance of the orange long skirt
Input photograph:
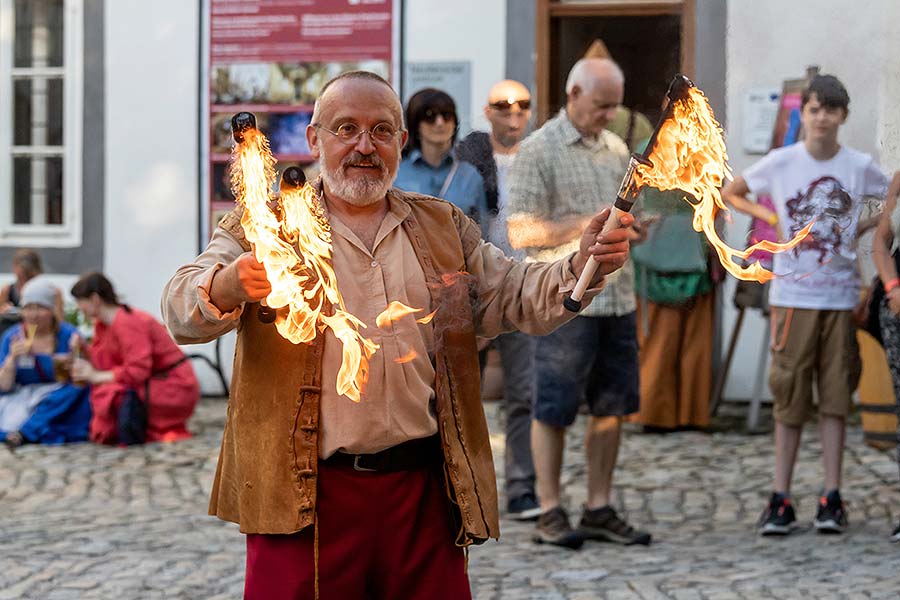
x,y
676,363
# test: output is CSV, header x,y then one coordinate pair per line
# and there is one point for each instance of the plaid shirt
x,y
557,174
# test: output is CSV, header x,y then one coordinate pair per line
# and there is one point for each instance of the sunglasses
x,y
506,104
432,115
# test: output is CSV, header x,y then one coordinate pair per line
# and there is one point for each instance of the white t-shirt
x,y
820,274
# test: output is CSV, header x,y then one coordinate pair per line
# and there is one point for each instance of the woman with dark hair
x,y
429,165
37,402
132,358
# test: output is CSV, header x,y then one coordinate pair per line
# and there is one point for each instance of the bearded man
x,y
375,499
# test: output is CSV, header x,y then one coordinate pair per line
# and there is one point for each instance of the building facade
x,y
103,104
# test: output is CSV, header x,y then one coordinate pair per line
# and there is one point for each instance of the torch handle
x,y
573,301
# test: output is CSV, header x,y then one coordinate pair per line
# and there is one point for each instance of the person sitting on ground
x,y
429,165
132,352
37,403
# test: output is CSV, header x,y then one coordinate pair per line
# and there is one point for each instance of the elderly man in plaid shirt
x,y
563,173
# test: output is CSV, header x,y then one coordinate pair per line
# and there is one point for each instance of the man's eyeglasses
x,y
432,115
350,133
506,104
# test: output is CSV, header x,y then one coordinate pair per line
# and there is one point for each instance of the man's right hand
x,y
244,280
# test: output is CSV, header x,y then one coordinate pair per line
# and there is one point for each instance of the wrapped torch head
x,y
240,123
679,88
292,178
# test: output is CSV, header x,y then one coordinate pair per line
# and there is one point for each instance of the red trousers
x,y
382,536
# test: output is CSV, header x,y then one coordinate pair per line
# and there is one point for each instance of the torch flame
x,y
395,310
296,253
409,356
427,318
690,156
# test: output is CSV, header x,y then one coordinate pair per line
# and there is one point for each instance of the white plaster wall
x,y
464,30
772,40
151,144
152,137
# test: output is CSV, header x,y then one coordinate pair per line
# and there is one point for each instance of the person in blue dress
x,y
429,164
37,404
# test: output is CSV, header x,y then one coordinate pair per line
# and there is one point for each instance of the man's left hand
x,y
610,249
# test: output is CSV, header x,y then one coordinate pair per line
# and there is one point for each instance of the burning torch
x,y
628,189
240,123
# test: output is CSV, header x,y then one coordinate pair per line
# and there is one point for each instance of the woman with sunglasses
x,y
429,165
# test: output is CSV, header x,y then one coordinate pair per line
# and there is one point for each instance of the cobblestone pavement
x,y
92,522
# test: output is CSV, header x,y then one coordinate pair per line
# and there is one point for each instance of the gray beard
x,y
363,191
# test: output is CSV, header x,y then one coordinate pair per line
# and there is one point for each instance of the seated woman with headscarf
x,y
132,359
37,403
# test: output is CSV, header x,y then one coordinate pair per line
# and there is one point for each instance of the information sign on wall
x,y
455,78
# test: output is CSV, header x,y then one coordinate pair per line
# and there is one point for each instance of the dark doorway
x,y
648,48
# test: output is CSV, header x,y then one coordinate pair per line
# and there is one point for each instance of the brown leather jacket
x,y
266,475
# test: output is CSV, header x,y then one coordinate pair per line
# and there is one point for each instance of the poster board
x,y
271,58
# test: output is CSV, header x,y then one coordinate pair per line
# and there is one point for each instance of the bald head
x,y
594,90
589,72
338,87
508,90
508,110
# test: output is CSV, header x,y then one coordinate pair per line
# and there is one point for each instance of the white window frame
x,y
69,234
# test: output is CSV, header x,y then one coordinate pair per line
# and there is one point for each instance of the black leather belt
x,y
408,456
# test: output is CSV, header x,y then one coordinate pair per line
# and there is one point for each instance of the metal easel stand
x,y
216,365
755,403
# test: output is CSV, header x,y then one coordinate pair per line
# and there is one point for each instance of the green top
x,y
671,264
643,129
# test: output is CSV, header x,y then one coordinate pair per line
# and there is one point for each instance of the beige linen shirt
x,y
397,402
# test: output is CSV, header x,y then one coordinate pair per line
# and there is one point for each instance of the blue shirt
x,y
465,189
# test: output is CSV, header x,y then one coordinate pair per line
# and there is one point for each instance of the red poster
x,y
271,57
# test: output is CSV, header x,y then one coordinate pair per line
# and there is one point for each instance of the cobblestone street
x,y
88,522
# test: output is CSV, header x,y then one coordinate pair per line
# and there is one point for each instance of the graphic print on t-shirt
x,y
827,203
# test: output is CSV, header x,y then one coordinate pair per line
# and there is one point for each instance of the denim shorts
x,y
593,359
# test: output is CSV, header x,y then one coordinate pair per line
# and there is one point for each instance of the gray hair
x,y
586,71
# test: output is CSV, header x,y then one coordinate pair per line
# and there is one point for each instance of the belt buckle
x,y
356,466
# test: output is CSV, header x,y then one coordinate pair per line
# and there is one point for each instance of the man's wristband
x,y
891,284
773,218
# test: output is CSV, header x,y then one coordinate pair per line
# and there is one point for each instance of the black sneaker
x,y
831,517
553,528
523,508
778,518
895,537
605,525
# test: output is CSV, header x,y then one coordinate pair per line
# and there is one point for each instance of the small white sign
x,y
455,78
760,111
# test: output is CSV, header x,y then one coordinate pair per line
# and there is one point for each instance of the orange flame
x,y
409,356
427,318
296,252
393,312
690,155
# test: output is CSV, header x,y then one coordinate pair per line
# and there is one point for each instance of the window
x,y
40,122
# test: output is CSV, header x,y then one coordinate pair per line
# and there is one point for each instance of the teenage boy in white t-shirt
x,y
815,289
